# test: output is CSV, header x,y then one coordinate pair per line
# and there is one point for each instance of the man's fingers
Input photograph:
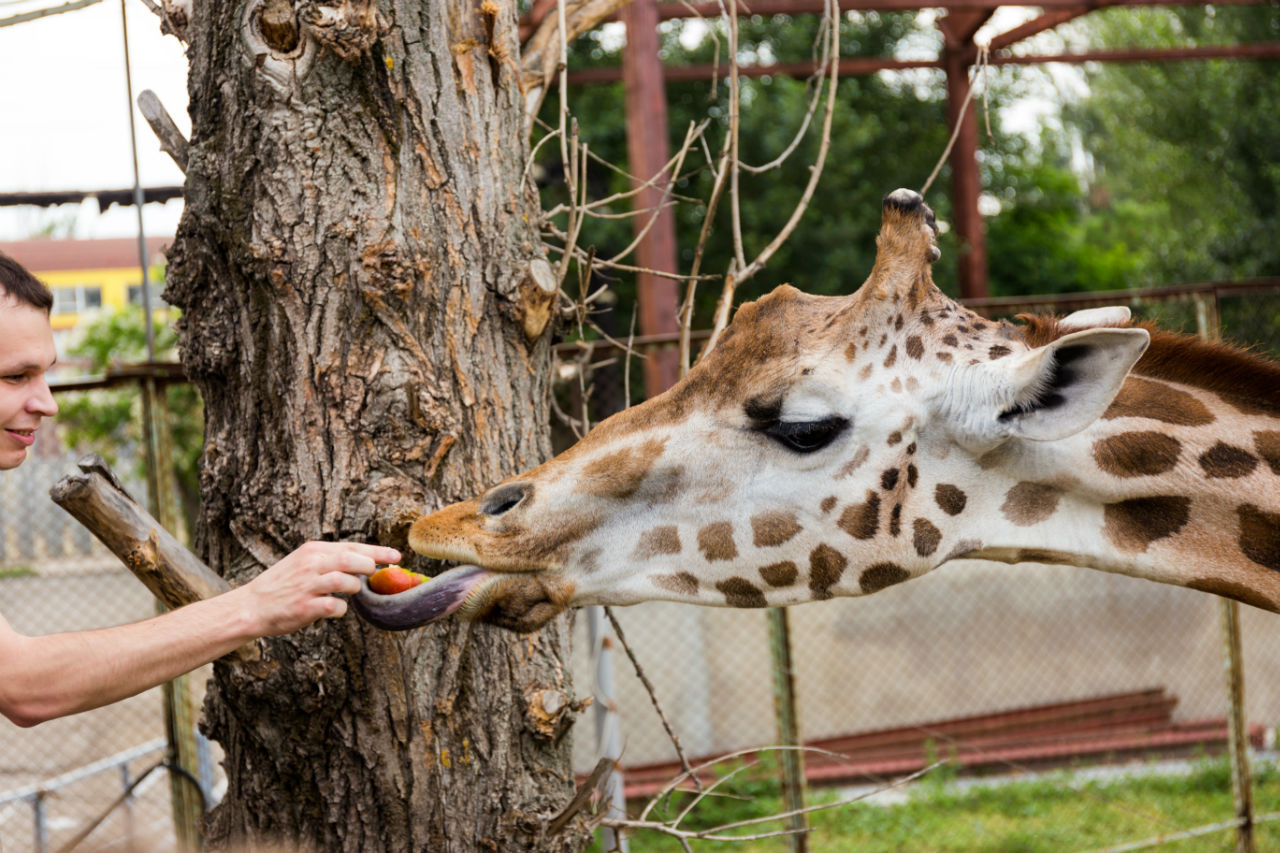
x,y
332,582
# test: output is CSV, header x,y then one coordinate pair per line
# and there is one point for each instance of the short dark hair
x,y
18,282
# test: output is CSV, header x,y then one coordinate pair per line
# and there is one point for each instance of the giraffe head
x,y
805,457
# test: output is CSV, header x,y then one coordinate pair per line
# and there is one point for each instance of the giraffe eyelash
x,y
805,436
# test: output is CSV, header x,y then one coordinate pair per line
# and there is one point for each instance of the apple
x,y
390,580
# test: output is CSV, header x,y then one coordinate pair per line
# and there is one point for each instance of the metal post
x,y
791,769
1207,323
42,826
125,780
648,150
608,732
958,52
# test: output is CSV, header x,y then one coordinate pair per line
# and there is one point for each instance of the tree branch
x,y
173,574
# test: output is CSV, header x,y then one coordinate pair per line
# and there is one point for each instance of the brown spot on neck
x,y
950,499
619,474
1134,524
740,592
1237,591
780,574
1156,401
681,583
1260,535
770,529
861,521
1223,461
826,565
660,540
1030,503
1267,443
1137,454
715,541
882,575
926,537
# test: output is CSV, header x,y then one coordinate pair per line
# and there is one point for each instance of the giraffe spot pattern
x,y
861,521
912,476
1143,398
895,521
681,583
892,357
1134,524
889,479
780,574
926,537
882,575
915,347
865,373
855,463
740,592
826,565
769,529
1252,405
618,475
944,356
1267,443
895,437
590,560
828,504
1137,454
950,340
1223,461
715,541
660,540
950,499
998,351
1260,535
1030,503
851,351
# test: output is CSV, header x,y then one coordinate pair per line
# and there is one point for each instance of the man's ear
x,y
1059,389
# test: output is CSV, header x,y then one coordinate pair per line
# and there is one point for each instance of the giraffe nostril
x,y
503,499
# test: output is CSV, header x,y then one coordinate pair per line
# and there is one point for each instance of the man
x,y
96,668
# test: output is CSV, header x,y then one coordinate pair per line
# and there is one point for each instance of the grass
x,y
1058,813
16,572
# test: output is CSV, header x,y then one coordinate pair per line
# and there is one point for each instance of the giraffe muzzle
x,y
437,598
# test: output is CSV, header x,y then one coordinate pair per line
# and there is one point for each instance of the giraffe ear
x,y
1063,387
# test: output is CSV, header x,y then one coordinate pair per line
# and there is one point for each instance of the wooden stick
x,y
172,573
172,142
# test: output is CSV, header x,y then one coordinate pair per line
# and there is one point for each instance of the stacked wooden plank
x,y
1090,731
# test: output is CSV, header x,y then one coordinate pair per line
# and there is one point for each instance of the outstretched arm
x,y
51,676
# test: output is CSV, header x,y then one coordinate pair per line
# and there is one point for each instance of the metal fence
x,y
1004,667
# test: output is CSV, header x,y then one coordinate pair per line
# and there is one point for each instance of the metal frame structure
x,y
645,77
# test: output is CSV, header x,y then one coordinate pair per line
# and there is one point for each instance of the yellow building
x,y
88,276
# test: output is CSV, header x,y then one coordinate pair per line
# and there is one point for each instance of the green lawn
x,y
1058,813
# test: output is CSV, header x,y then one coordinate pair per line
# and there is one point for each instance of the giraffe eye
x,y
806,436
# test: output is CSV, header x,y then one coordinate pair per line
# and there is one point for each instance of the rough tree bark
x,y
364,308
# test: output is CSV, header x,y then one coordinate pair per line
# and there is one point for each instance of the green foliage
x,y
1195,143
16,572
110,422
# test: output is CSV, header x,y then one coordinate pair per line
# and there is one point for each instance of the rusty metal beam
x,y
671,10
958,53
648,151
1046,21
871,65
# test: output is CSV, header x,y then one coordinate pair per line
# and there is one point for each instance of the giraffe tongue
x,y
426,602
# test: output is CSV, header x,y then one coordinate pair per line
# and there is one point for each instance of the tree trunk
x,y
364,301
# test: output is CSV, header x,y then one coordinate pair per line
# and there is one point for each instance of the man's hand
x,y
300,589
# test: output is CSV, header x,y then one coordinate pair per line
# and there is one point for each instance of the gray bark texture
x,y
359,274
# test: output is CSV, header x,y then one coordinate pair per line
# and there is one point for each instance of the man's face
x,y
26,352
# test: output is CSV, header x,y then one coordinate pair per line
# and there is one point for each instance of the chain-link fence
x,y
1004,667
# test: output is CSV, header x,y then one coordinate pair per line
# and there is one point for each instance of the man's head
x,y
26,352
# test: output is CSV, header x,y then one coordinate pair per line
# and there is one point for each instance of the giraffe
x,y
833,446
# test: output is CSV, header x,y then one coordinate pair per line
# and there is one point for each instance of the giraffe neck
x,y
1175,483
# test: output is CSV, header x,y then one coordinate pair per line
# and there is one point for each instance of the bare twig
x,y
172,142
666,191
723,308
983,56
748,270
603,769
653,695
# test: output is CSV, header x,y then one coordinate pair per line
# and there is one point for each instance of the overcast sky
x,y
65,124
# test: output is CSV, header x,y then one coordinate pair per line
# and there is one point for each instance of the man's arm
x,y
59,674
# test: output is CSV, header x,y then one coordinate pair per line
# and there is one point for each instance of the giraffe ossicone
x,y
833,446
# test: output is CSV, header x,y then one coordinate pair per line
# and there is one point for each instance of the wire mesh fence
x,y
1004,668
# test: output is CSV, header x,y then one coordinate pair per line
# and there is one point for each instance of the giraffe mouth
x,y
441,596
